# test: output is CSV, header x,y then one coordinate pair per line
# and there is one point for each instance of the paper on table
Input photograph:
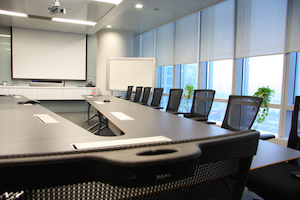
x,y
121,116
122,142
17,97
89,97
99,102
45,118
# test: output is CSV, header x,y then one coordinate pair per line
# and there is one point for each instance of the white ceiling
x,y
123,16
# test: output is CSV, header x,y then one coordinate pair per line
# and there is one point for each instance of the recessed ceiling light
x,y
108,26
74,21
5,12
138,5
110,1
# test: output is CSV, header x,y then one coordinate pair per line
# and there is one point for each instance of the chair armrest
x,y
295,175
156,107
199,119
207,122
178,113
266,136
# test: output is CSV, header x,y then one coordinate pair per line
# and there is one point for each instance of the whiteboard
x,y
125,71
48,55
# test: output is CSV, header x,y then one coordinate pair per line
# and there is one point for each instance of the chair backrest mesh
x,y
174,99
214,180
146,94
202,103
138,93
128,93
294,139
241,112
157,93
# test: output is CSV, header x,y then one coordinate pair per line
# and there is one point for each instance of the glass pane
x,y
217,112
220,77
188,75
264,71
297,82
166,78
288,123
271,123
164,102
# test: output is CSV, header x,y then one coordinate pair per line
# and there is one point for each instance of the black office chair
x,y
157,93
174,100
138,93
276,181
128,93
145,97
202,103
202,168
241,112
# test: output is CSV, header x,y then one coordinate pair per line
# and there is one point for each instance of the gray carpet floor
x,y
80,118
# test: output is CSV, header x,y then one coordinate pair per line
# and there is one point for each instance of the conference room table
x,y
148,121
31,133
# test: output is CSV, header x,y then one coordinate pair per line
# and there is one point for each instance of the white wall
x,y
111,43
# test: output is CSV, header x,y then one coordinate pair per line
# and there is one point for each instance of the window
x,y
188,75
271,123
220,77
257,74
165,78
297,81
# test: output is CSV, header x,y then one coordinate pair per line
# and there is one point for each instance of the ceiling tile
x,y
124,16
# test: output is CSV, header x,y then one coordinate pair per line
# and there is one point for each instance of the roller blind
x,y
260,27
186,39
148,44
293,40
217,32
165,44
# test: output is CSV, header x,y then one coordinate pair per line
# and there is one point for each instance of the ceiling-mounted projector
x,y
56,8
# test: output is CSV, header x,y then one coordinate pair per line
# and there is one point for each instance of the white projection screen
x,y
48,55
125,71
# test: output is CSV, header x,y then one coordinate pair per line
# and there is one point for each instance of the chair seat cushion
x,y
275,182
